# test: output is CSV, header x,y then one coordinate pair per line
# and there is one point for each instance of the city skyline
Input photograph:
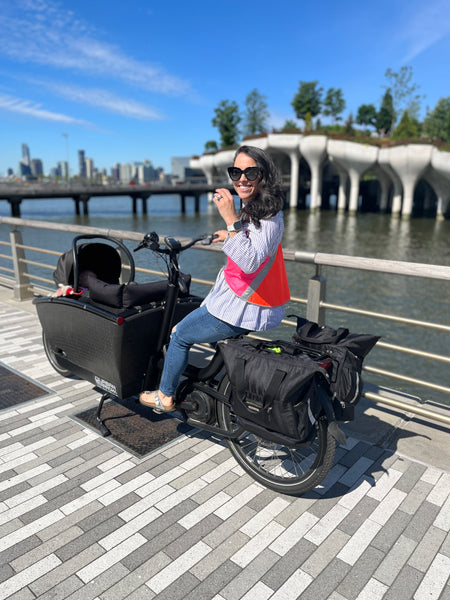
x,y
132,81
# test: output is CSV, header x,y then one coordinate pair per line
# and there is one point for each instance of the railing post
x,y
21,285
316,294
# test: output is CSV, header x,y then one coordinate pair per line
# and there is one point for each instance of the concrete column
x,y
383,162
288,143
355,159
440,163
409,162
343,180
314,148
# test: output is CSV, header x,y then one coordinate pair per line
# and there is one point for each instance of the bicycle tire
x,y
287,470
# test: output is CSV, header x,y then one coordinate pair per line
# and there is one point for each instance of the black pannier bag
x,y
277,390
346,351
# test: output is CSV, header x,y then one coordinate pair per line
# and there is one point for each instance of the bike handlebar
x,y
151,242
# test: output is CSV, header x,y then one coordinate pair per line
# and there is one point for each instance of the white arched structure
x,y
401,166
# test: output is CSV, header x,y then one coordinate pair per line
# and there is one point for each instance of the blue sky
x,y
134,80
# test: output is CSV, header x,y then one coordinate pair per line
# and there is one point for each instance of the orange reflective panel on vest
x,y
267,286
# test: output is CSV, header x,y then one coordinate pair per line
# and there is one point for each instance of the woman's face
x,y
245,189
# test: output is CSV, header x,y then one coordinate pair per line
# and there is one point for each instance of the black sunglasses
x,y
251,173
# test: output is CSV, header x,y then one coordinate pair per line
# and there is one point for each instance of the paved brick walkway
x,y
80,518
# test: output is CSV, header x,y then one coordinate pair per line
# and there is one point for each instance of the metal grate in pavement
x,y
15,389
135,427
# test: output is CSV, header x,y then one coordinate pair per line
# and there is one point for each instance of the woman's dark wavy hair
x,y
270,198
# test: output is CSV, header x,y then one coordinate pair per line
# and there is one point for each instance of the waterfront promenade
x,y
83,518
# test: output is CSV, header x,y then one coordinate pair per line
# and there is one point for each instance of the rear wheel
x,y
54,358
285,469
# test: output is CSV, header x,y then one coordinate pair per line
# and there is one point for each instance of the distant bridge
x,y
81,194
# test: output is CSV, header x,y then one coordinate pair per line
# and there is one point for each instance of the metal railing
x,y
26,284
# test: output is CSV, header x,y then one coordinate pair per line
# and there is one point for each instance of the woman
x,y
250,292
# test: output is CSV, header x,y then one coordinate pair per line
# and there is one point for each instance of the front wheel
x,y
284,469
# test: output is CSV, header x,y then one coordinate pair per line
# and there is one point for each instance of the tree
x,y
308,99
407,128
437,122
211,146
289,126
227,121
256,114
403,92
334,104
367,115
385,116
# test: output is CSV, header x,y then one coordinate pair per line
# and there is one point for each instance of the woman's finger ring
x,y
218,197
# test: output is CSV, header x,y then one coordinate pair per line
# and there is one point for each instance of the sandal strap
x,y
158,403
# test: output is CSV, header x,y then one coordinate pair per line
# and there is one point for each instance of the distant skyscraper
x,y
89,168
81,164
26,155
37,168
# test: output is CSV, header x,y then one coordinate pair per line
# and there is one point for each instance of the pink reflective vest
x,y
267,286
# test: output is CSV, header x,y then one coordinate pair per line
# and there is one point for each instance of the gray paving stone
x,y
22,547
360,573
405,585
421,521
394,561
65,570
362,511
6,571
391,531
324,553
322,587
288,564
94,588
249,576
89,538
350,458
416,497
152,548
215,487
216,581
23,594
228,527
63,589
445,548
44,549
179,588
192,536
410,477
426,550
221,554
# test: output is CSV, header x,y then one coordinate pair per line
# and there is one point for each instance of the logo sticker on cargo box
x,y
106,385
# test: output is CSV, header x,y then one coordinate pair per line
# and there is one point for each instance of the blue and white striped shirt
x,y
248,249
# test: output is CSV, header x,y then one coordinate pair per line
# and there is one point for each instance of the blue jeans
x,y
199,326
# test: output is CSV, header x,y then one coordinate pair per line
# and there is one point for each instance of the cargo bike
x,y
273,402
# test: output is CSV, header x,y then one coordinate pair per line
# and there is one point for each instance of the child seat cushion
x,y
126,295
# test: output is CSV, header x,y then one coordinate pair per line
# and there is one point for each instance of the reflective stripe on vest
x,y
267,286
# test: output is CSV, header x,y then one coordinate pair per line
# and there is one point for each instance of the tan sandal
x,y
157,405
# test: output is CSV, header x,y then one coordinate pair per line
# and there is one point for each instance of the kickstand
x,y
103,429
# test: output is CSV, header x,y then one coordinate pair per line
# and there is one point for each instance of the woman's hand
x,y
225,205
221,235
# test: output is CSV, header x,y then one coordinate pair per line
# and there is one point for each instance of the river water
x,y
366,235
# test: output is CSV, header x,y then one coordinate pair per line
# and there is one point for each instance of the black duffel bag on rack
x,y
346,351
278,391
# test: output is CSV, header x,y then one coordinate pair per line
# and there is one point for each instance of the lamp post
x,y
66,135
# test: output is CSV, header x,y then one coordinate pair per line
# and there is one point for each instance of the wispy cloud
x,y
428,24
31,109
43,32
102,99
